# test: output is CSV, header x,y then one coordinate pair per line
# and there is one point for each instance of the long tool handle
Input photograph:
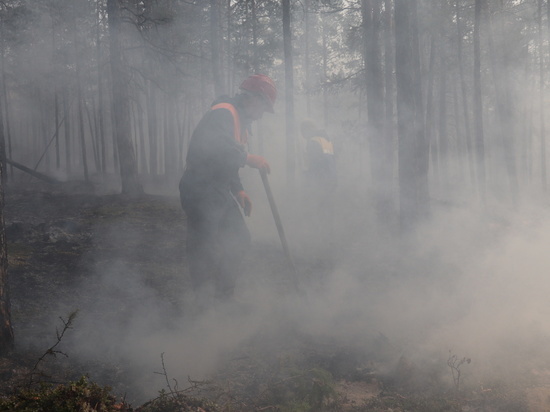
x,y
278,222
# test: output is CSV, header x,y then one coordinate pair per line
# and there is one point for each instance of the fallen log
x,y
33,173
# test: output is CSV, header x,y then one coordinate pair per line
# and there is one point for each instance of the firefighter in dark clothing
x,y
211,192
321,183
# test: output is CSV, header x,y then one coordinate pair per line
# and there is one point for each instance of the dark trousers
x,y
217,239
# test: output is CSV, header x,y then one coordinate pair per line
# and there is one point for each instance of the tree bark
x,y
6,330
505,111
442,124
100,125
289,96
215,37
478,104
152,118
412,148
121,107
389,82
464,95
380,147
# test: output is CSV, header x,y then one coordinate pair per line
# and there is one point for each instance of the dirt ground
x,y
63,237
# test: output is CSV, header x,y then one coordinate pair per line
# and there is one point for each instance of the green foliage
x,y
81,396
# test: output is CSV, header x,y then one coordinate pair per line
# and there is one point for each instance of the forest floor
x,y
120,262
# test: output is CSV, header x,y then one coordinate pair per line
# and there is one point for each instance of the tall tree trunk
x,y
478,105
67,130
464,95
93,135
307,77
460,144
101,126
230,64
80,106
170,149
422,152
412,148
380,147
442,124
6,330
255,60
289,95
5,93
431,138
389,82
152,127
215,36
56,108
144,165
121,107
505,111
541,96
325,71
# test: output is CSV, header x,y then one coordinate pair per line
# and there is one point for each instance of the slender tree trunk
x,y
80,107
307,79
413,153
215,37
442,124
478,104
141,135
430,137
464,93
255,61
256,68
422,149
325,72
541,96
93,135
67,130
6,330
5,94
101,126
81,133
56,110
505,111
230,64
121,107
460,145
170,138
379,146
152,128
389,81
289,95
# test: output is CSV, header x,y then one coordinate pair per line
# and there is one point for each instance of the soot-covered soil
x,y
63,241
72,250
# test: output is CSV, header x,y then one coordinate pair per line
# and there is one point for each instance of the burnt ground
x,y
71,250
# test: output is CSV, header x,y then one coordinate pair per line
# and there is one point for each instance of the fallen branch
x,y
33,173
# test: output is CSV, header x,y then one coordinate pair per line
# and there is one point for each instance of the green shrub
x,y
79,396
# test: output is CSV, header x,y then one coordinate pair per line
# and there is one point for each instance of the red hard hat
x,y
263,85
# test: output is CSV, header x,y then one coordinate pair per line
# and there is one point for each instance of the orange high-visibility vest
x,y
326,145
242,138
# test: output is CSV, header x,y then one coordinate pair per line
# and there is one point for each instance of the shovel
x,y
279,224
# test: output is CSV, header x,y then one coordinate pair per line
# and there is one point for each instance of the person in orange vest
x,y
211,191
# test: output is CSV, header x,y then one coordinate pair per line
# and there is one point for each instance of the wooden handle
x,y
277,219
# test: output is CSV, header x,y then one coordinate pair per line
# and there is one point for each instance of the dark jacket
x,y
321,171
214,156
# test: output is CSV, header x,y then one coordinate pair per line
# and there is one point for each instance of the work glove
x,y
258,162
245,202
